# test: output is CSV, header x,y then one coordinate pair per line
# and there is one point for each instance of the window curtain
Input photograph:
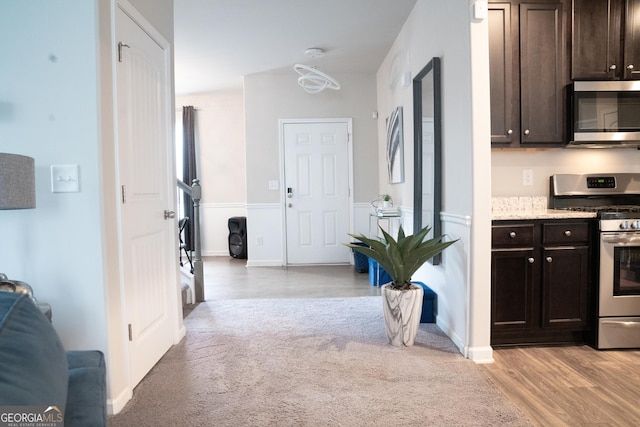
x,y
189,172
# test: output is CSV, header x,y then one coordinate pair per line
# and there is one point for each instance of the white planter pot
x,y
402,311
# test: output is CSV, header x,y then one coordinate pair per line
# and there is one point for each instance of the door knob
x,y
169,214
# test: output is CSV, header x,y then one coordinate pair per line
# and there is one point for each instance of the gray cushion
x,y
34,369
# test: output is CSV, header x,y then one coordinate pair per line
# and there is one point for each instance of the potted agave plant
x,y
400,258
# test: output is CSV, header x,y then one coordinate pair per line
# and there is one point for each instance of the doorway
x,y
318,178
147,228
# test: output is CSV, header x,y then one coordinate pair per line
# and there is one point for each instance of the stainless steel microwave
x,y
604,114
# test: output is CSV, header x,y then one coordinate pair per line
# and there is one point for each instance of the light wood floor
x,y
229,278
553,386
570,386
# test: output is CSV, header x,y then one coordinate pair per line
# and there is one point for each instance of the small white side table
x,y
392,224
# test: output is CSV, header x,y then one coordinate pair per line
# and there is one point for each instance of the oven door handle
x,y
621,323
621,238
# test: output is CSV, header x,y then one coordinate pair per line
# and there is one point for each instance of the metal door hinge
x,y
120,46
130,333
124,194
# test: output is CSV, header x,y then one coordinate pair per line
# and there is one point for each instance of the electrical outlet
x,y
527,177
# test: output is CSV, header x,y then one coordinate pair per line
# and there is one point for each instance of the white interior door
x,y
147,238
317,212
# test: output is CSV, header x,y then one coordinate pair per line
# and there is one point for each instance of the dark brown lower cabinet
x,y
540,282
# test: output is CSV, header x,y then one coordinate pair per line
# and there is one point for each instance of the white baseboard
x,y
182,332
444,327
479,354
116,405
265,263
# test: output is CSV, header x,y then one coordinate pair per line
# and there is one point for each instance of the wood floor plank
x,y
570,386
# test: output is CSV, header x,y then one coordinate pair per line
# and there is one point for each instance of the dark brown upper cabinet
x,y
528,60
606,40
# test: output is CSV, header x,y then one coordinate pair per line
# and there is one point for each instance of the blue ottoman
x,y
428,304
377,275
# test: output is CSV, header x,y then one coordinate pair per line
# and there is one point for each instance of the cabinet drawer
x,y
567,233
512,235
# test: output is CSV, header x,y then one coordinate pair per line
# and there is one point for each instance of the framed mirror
x,y
427,136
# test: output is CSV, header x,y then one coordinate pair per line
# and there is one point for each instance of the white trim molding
x,y
460,321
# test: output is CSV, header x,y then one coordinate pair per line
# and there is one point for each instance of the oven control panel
x,y
601,182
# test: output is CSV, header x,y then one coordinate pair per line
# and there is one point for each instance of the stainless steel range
x,y
616,200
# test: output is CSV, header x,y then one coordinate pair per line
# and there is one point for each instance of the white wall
x,y
271,97
59,110
444,28
220,141
50,112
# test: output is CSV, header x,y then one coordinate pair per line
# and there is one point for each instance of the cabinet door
x,y
565,284
596,52
512,279
632,40
542,74
504,124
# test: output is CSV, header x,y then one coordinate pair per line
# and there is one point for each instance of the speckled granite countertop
x,y
541,214
530,207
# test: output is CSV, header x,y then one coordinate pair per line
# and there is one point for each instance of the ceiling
x,y
217,42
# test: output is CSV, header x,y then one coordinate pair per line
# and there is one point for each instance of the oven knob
x,y
624,225
635,224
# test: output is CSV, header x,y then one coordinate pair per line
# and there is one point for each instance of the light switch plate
x,y
274,185
480,10
65,179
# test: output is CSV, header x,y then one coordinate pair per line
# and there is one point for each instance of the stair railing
x,y
195,193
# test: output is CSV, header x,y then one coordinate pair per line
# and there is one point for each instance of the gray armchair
x,y
65,387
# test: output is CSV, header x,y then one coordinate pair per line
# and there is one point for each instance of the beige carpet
x,y
311,362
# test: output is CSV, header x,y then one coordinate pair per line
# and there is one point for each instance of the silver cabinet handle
x,y
526,132
549,259
169,214
612,67
531,260
512,234
510,131
567,233
630,67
